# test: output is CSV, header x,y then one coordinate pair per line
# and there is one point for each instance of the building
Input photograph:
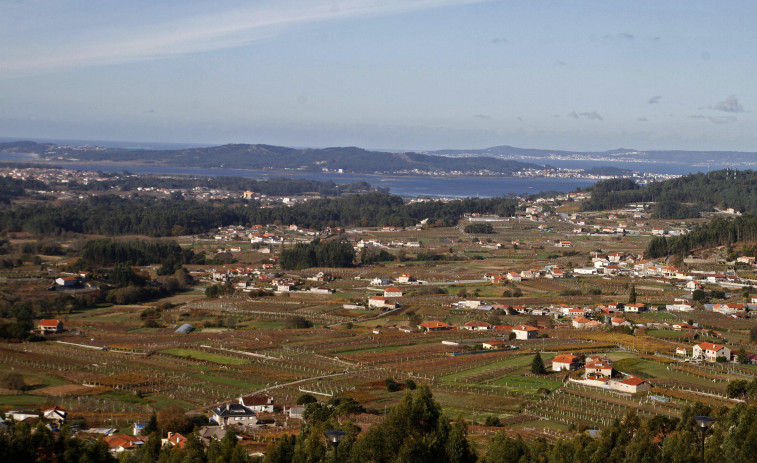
x,y
434,325
119,443
632,384
710,352
50,326
580,322
380,302
597,367
392,292
492,345
565,362
67,282
476,325
56,414
233,415
524,332
174,439
257,403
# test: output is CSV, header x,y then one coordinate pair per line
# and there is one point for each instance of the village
x,y
463,310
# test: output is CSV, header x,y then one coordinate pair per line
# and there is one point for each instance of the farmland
x,y
285,333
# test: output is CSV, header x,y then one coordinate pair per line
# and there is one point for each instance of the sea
x,y
416,186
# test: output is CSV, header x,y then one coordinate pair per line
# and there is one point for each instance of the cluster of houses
x,y
522,332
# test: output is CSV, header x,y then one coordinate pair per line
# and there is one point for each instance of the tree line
x,y
112,215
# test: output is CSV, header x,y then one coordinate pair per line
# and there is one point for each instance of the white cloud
x,y
191,34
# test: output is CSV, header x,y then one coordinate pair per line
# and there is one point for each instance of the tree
x,y
742,357
537,365
305,399
173,419
632,295
152,425
12,380
410,384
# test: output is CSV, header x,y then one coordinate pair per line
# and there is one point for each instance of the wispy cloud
x,y
642,119
483,116
715,119
192,33
589,115
498,41
655,99
729,105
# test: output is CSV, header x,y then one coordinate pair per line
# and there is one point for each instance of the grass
x,y
227,381
16,400
207,356
528,383
519,361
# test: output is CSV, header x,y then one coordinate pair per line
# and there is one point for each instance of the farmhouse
x,y
380,302
620,322
257,403
55,414
50,326
476,325
491,345
710,352
119,443
233,415
524,332
67,282
392,292
565,362
174,439
597,367
631,384
581,322
405,278
434,325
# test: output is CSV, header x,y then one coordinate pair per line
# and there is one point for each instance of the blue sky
x,y
391,74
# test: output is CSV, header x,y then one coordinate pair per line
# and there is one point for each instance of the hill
x,y
681,197
268,157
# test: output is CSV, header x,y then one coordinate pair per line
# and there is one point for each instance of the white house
x,y
564,362
524,332
710,352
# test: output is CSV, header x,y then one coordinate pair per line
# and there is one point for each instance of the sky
x,y
390,74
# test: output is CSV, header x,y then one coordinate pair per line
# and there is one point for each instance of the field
x,y
108,367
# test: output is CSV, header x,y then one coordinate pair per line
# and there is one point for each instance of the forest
x,y
112,215
317,254
719,231
682,197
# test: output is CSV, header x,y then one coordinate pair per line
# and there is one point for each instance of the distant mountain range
x,y
619,154
498,160
267,157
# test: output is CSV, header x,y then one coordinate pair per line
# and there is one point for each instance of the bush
x,y
492,420
391,385
410,384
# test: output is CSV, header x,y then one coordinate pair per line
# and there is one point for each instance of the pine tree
x,y
537,365
632,295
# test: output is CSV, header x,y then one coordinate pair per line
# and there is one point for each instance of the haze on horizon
x,y
393,74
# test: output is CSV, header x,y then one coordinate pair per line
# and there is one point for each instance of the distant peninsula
x,y
276,158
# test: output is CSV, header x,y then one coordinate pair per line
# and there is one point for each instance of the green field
x,y
200,355
17,400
